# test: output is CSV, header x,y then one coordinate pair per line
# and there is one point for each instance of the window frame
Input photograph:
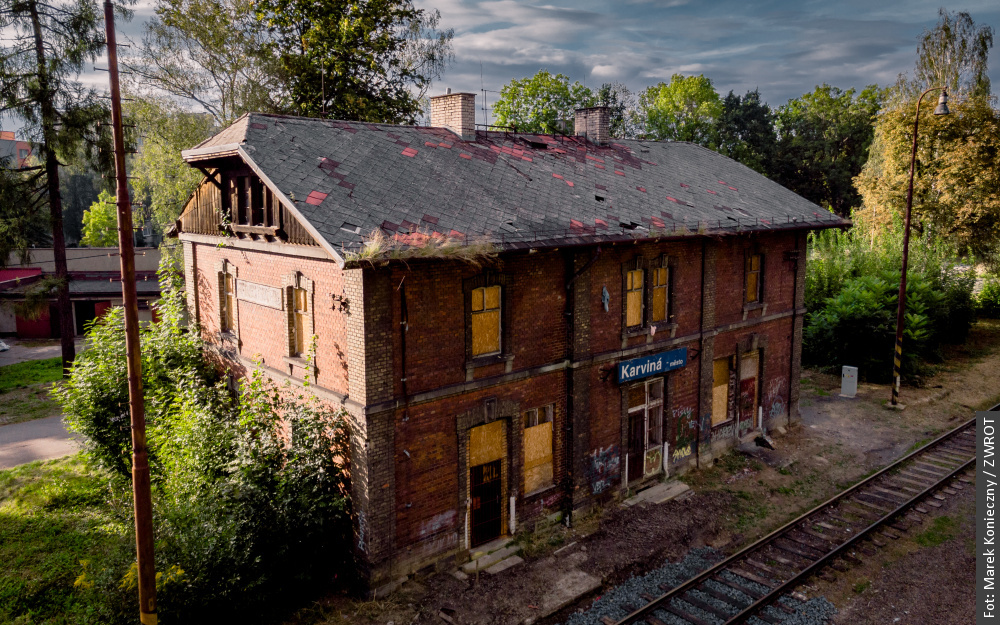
x,y
759,273
229,316
667,288
541,416
291,284
485,311
505,354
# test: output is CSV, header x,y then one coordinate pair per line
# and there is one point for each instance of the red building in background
x,y
516,324
15,152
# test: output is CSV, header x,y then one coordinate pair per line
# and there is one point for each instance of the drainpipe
x,y
701,347
795,306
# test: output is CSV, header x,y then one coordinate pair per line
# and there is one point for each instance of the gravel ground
x,y
629,593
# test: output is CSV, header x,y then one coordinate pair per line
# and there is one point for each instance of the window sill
x,y
539,491
486,361
762,306
297,361
647,330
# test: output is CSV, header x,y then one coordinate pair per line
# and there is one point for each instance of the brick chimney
x,y
456,112
594,123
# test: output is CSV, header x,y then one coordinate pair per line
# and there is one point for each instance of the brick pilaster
x,y
580,294
191,280
800,302
707,343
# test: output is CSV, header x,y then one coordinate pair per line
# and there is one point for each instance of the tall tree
x,y
622,104
161,180
212,55
823,142
956,187
79,186
100,222
685,109
370,60
954,54
746,131
49,44
541,102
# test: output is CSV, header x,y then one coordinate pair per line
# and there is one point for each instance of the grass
x,y
861,586
24,374
54,516
942,529
25,404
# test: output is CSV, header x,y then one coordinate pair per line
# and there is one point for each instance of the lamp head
x,y
942,105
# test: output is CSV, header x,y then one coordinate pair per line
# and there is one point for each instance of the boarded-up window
x,y
753,278
228,320
537,448
659,296
720,390
486,320
300,312
633,298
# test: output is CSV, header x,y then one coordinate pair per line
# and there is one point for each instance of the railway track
x,y
858,519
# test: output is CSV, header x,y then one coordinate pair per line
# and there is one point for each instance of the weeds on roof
x,y
380,248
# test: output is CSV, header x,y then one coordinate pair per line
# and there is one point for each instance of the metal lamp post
x,y
941,109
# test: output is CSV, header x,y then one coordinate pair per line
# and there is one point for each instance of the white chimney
x,y
456,112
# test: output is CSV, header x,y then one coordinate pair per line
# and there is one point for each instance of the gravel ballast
x,y
613,603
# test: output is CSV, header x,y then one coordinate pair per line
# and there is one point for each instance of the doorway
x,y
645,429
749,374
487,505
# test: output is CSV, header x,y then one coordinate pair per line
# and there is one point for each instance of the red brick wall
x,y
263,329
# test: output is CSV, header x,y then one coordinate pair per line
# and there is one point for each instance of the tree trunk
x,y
66,329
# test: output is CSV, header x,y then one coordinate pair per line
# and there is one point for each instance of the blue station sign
x,y
639,368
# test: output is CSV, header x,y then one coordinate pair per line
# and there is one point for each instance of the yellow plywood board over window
x,y
633,298
720,390
486,443
658,305
537,457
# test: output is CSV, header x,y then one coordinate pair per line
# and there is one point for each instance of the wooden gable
x,y
233,201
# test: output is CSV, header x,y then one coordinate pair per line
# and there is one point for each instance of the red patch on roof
x,y
658,222
619,172
388,225
430,145
673,199
559,176
733,189
720,182
712,192
257,126
599,166
466,156
444,145
346,185
409,152
569,183
601,223
315,198
600,186
594,158
686,186
525,158
667,215
643,189
456,234
429,219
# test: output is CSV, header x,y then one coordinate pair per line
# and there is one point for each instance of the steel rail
x,y
694,582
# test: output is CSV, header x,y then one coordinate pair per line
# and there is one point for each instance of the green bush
x,y
250,499
988,300
852,285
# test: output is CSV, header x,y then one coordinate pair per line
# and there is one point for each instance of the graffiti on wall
x,y
774,398
604,469
362,522
437,523
653,460
681,452
723,433
684,418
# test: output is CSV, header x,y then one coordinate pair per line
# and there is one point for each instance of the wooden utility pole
x,y
140,460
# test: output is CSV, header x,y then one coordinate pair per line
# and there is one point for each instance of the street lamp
x,y
941,109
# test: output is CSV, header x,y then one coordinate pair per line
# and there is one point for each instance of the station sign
x,y
639,368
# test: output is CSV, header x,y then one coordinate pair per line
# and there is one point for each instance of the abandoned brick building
x,y
516,324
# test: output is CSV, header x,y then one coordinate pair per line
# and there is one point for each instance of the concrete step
x,y
504,564
488,560
665,491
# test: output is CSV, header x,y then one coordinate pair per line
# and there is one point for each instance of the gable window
x,y
752,286
538,448
298,303
485,320
229,314
228,303
301,309
254,204
633,298
660,296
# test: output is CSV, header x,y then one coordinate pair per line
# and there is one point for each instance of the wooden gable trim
x,y
288,204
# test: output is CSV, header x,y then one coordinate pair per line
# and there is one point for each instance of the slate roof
x,y
517,190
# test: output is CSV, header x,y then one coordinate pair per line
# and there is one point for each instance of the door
x,y
749,368
645,429
486,508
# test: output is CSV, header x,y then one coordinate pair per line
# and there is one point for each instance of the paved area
x,y
41,439
21,351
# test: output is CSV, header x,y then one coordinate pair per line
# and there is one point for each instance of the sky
x,y
782,47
